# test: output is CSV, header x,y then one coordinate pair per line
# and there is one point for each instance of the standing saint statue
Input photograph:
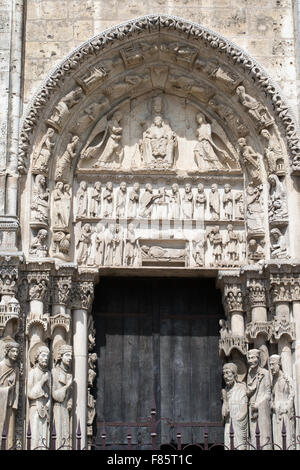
x,y
214,202
62,395
282,404
9,390
65,161
259,394
235,407
38,392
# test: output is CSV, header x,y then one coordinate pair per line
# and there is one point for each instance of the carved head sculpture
x,y
158,121
42,235
253,357
123,186
175,188
40,181
242,142
275,234
200,188
41,356
59,185
214,187
97,185
136,187
200,118
266,134
188,188
83,185
99,227
227,188
240,91
229,228
87,228
157,105
64,355
230,372
11,350
148,187
109,186
275,364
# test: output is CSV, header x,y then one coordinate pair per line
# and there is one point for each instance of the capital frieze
x,y
233,298
8,280
39,282
61,290
253,329
82,294
281,288
256,293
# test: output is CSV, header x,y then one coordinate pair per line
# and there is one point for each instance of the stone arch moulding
x,y
157,143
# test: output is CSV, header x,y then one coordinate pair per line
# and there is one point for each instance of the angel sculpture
x,y
109,150
208,156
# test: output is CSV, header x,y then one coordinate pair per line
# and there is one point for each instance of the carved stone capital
x,y
233,298
61,290
59,320
256,293
8,280
283,327
281,288
253,329
39,282
230,342
82,294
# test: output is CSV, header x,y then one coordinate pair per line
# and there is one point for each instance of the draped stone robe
x,y
39,406
235,408
62,405
259,393
9,395
283,409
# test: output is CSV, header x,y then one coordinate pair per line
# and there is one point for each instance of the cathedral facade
x,y
149,217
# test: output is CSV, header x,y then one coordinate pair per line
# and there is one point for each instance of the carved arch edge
x,y
150,24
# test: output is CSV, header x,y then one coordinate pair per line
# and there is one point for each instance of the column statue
x,y
62,395
282,403
38,392
235,407
259,394
9,390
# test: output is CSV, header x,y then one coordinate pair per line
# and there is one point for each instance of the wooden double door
x,y
157,346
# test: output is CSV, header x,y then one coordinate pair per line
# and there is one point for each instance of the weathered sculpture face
x,y
274,365
66,359
253,359
229,374
13,353
43,358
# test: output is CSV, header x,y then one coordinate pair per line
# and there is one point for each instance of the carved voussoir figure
x,y
9,390
277,200
62,109
39,246
255,109
38,392
41,161
62,395
40,200
235,408
64,162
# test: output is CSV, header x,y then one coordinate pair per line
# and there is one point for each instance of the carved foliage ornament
x,y
82,294
149,24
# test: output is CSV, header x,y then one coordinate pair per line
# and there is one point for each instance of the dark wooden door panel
x,y
157,339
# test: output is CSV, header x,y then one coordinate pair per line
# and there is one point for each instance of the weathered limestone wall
x,y
264,29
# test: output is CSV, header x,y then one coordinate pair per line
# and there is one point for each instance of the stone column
x,y
82,296
60,318
233,300
258,330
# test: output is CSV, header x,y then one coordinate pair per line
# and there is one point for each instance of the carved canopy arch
x,y
161,124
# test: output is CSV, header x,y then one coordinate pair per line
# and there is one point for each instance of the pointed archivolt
x,y
160,120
